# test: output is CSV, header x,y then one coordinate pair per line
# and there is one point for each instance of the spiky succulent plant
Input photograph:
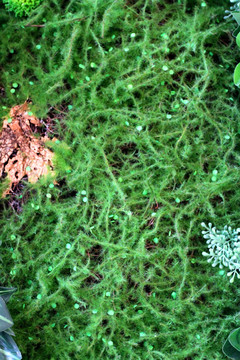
x,y
224,248
21,7
8,347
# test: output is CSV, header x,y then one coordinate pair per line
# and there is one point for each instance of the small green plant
x,y
237,69
8,347
224,248
235,13
21,7
231,347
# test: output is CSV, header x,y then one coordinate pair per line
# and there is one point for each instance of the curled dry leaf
x,y
21,153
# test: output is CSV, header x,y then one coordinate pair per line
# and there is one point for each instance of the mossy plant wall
x,y
108,262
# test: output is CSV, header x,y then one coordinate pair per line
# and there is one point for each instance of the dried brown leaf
x,y
21,153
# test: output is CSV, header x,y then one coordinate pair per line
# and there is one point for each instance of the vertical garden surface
x,y
108,258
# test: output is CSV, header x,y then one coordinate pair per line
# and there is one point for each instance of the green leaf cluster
x,y
21,7
231,348
236,75
8,347
236,15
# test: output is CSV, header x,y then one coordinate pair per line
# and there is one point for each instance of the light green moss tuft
x,y
21,7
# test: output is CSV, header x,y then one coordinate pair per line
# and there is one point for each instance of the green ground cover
x,y
141,97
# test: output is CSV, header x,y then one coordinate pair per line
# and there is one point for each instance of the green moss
x,y
4,186
143,156
21,7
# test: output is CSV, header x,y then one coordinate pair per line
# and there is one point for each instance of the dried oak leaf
x,y
21,153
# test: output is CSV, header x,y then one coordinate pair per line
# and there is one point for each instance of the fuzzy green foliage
x,y
109,266
21,7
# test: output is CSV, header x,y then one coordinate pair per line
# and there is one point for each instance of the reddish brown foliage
x,y
21,153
